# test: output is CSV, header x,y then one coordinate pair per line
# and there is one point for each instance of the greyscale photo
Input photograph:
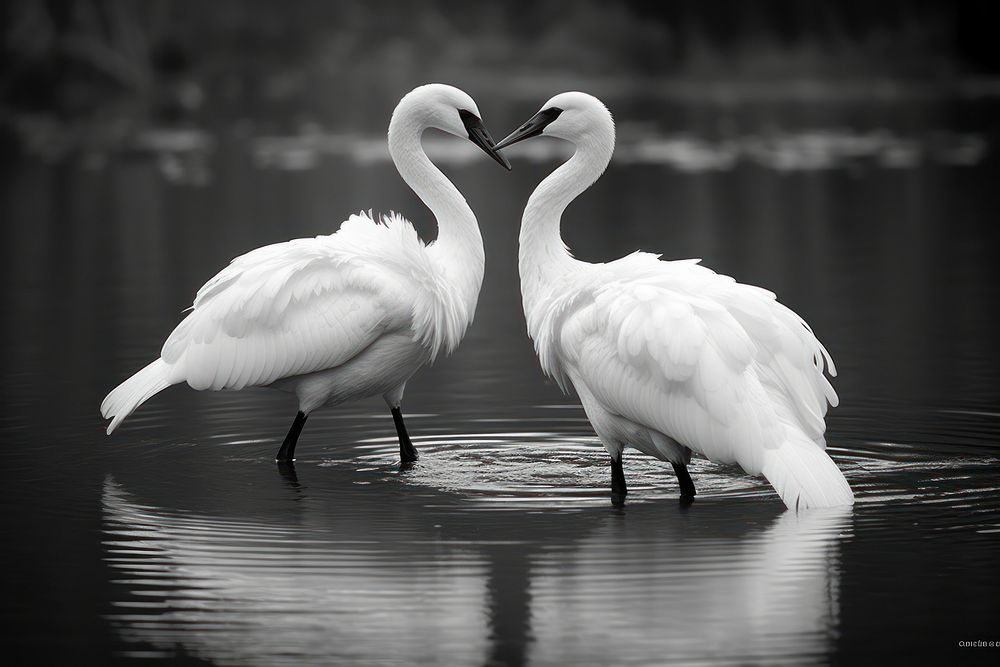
x,y
500,333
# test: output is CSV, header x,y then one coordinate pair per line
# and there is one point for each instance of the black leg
x,y
287,451
407,452
618,477
684,479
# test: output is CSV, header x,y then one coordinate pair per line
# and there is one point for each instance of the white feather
x,y
671,352
135,391
348,315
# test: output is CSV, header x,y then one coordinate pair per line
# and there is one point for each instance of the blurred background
x,y
88,76
843,155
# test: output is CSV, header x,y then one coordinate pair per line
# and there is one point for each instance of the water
x,y
178,538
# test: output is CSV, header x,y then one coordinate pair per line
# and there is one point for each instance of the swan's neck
x,y
458,250
543,257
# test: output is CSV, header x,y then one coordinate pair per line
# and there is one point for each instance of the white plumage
x,y
343,316
668,356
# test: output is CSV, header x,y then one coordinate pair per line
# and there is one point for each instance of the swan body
x,y
670,357
345,316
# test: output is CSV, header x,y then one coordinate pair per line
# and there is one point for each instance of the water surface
x,y
178,537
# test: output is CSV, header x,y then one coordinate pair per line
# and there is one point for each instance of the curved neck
x,y
458,232
542,255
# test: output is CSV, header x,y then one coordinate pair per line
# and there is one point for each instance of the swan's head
x,y
449,109
576,117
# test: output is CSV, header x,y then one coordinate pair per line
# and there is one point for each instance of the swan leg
x,y
407,452
684,479
618,487
287,452
679,456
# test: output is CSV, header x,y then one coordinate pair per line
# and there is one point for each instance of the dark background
x,y
269,62
841,154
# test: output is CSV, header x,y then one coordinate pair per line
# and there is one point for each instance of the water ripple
x,y
250,592
505,543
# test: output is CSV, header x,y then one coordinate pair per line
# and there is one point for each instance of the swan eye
x,y
542,119
534,127
550,114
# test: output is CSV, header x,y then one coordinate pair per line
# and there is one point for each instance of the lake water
x,y
178,537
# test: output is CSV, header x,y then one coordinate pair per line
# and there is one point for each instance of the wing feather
x,y
305,305
675,346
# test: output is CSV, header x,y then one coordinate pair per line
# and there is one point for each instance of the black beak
x,y
535,125
480,136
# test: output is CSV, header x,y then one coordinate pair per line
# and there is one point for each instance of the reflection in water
x,y
500,544
239,591
752,594
247,593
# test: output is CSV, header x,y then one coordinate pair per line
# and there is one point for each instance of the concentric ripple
x,y
546,469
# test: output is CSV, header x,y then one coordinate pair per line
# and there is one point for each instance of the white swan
x,y
670,357
345,316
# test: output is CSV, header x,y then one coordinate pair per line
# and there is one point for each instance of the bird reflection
x,y
714,593
509,605
641,583
287,471
239,591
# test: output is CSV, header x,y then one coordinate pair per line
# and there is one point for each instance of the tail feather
x,y
135,391
805,476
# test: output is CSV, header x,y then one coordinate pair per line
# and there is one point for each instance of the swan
x,y
670,357
350,315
